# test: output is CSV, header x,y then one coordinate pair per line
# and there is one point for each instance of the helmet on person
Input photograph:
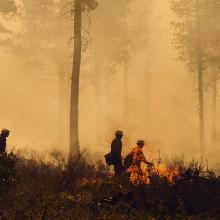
x,y
140,143
118,132
5,131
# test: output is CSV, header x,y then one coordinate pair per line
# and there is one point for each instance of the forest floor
x,y
32,188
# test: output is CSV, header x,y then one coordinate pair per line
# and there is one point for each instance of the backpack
x,y
128,160
109,159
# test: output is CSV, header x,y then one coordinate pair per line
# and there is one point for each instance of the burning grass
x,y
145,174
62,189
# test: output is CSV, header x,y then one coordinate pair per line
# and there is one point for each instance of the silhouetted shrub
x,y
7,171
59,188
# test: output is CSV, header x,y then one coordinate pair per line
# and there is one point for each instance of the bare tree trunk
x,y
74,102
98,117
201,107
200,82
214,93
125,92
61,110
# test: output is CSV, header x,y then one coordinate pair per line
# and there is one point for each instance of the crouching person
x,y
138,155
133,163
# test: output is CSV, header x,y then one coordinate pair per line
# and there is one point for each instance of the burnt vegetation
x,y
56,188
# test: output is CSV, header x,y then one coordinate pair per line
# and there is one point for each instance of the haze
x,y
161,104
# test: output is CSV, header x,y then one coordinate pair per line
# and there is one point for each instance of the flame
x,y
142,174
139,175
166,172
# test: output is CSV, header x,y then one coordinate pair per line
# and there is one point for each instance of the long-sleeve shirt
x,y
138,156
116,148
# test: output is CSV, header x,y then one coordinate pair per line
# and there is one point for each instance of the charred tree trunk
x,y
214,94
200,82
74,102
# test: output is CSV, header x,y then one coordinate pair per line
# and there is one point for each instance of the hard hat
x,y
5,131
119,132
140,142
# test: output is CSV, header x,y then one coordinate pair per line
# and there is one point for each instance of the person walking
x,y
116,148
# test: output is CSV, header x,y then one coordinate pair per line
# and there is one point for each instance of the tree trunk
x,y
200,82
74,102
98,112
62,109
201,107
214,93
125,92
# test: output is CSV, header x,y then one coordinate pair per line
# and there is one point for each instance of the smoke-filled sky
x,y
162,104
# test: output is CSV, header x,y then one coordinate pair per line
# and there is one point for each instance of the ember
x,y
89,182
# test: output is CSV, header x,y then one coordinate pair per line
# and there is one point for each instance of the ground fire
x,y
144,174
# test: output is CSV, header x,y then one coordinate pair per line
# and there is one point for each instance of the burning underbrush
x,y
147,175
76,189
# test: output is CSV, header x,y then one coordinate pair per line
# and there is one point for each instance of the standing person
x,y
116,148
3,140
